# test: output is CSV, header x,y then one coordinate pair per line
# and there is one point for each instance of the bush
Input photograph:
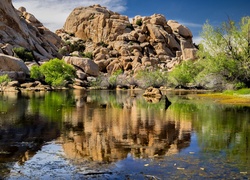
x,y
103,44
185,72
139,22
113,78
23,54
4,79
70,47
55,72
155,78
88,55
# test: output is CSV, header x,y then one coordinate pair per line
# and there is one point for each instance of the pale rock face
x,y
14,67
85,64
96,23
180,29
153,40
20,28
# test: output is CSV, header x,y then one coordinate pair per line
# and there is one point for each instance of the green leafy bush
x,y
55,72
113,78
23,54
139,22
185,72
88,55
4,79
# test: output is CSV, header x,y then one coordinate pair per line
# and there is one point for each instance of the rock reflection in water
x,y
109,126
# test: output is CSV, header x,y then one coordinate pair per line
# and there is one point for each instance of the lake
x,y
78,134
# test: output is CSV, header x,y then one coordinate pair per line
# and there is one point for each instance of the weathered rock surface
x,y
19,28
14,67
84,64
117,43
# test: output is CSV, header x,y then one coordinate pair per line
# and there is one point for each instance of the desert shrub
x,y
155,78
184,73
23,53
70,47
35,72
139,22
103,44
113,78
4,79
130,26
55,72
88,55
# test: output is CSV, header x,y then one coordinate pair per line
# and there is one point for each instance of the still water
x,y
121,135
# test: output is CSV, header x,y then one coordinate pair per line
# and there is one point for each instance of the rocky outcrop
x,y
117,43
86,65
14,67
18,28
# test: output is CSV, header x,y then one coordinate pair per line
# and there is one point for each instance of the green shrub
x,y
113,78
4,79
71,47
130,26
23,54
139,22
88,55
35,72
55,72
184,73
103,44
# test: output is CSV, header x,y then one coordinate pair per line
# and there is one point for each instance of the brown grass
x,y
229,99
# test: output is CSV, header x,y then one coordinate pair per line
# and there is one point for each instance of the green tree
x,y
225,50
55,72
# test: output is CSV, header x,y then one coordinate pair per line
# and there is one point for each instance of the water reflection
x,y
107,126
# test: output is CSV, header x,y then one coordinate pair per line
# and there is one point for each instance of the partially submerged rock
x,y
153,92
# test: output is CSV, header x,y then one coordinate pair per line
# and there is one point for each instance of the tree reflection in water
x,y
112,126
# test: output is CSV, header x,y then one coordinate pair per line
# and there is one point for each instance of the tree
x,y
55,72
225,50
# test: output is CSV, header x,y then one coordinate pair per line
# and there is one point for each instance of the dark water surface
x,y
121,135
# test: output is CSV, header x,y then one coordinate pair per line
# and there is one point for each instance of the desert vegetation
x,y
55,72
224,54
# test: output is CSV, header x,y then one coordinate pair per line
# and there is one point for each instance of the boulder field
x,y
95,40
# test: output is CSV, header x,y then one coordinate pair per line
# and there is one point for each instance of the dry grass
x,y
229,99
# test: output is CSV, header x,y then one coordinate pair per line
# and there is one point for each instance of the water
x,y
121,135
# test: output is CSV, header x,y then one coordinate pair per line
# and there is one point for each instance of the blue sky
x,y
193,14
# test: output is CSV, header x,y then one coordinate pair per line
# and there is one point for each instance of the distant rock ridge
x,y
117,43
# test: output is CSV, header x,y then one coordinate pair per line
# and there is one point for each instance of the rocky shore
x,y
95,40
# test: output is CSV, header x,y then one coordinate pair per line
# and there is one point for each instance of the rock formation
x,y
117,43
19,28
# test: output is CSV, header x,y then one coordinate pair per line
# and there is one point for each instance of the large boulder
x,y
19,28
85,64
96,23
14,67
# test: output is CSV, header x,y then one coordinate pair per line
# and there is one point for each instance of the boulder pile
x,y
116,43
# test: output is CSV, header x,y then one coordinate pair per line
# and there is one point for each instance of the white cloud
x,y
53,13
190,24
197,39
